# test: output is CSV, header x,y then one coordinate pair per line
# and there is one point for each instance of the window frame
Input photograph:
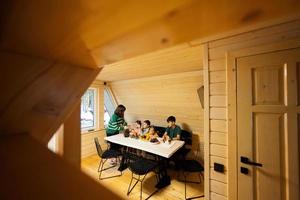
x,y
96,112
112,101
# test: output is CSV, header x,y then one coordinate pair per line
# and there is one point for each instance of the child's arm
x,y
178,134
166,132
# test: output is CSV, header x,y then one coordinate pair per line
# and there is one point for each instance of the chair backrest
x,y
197,155
98,147
186,136
161,130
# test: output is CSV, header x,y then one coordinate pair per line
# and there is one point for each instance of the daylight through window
x,y
88,110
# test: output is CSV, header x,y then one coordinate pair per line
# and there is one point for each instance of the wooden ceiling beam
x,y
39,94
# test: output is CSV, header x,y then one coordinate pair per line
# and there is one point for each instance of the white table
x,y
165,150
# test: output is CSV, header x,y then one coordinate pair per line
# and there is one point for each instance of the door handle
x,y
246,160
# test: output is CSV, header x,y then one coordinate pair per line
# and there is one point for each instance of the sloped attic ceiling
x,y
94,33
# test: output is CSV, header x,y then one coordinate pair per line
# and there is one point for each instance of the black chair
x,y
140,167
187,138
192,166
104,156
181,154
160,130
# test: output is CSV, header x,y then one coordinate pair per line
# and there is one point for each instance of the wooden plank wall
x,y
87,139
274,38
156,98
87,143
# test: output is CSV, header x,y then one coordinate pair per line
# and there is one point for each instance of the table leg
x,y
163,177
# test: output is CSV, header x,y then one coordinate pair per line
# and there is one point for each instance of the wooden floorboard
x,y
119,185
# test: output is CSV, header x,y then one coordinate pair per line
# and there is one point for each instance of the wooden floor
x,y
120,184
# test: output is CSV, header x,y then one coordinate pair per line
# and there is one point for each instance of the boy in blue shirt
x,y
173,130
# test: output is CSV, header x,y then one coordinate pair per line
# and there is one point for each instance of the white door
x,y
268,91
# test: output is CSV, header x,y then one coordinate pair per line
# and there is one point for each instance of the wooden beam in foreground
x,y
29,170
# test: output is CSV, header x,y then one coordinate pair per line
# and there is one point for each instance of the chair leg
x,y
101,170
200,177
141,192
100,162
184,185
195,197
130,189
139,179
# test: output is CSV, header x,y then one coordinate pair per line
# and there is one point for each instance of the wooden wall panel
x,y
88,147
156,98
72,138
273,38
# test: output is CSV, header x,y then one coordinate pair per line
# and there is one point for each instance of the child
x,y
136,129
146,127
150,135
173,131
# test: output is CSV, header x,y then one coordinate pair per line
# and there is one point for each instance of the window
x,y
106,117
109,105
88,110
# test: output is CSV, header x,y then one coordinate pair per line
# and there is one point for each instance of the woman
x,y
115,125
116,122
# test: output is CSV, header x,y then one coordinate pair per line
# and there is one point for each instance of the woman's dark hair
x,y
171,119
139,122
120,111
147,122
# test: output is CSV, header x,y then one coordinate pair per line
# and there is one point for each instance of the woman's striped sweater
x,y
115,125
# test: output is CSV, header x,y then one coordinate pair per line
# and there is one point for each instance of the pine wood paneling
x,y
221,51
218,150
45,93
72,138
217,77
181,58
217,88
88,147
218,113
218,125
214,196
156,98
44,175
218,187
217,65
218,101
217,176
95,33
218,138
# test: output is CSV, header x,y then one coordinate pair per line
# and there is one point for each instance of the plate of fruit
x,y
154,141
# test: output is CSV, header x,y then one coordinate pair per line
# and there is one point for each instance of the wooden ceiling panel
x,y
68,30
94,33
195,20
181,58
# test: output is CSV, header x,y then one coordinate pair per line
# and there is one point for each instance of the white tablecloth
x,y
163,149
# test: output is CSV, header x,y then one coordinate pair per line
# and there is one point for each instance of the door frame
x,y
231,85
